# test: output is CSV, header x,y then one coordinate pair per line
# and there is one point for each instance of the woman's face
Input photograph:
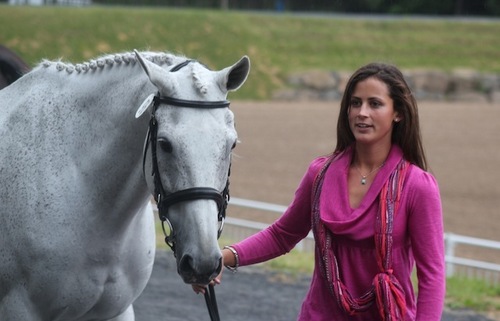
x,y
371,112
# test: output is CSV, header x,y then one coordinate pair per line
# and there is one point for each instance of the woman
x,y
374,210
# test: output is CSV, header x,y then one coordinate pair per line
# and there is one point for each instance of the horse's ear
x,y
144,63
233,77
157,75
153,71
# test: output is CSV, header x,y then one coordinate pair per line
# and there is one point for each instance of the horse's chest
x,y
79,281
99,293
94,292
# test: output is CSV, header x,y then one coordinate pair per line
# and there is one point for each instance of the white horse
x,y
77,241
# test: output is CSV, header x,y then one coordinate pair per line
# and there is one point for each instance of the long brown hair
x,y
406,132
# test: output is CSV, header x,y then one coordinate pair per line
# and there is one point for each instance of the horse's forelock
x,y
199,81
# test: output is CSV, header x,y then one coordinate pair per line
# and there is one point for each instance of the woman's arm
x,y
282,236
427,239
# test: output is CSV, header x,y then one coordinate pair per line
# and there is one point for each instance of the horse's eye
x,y
165,145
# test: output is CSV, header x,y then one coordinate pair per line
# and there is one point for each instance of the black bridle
x,y
164,200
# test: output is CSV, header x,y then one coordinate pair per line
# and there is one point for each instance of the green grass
x,y
471,293
276,44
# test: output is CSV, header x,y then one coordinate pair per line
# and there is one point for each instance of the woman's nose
x,y
363,110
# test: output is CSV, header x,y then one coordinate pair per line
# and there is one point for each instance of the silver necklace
x,y
363,177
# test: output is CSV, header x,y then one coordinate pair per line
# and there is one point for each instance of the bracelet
x,y
234,268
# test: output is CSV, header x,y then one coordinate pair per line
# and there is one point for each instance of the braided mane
x,y
126,58
111,60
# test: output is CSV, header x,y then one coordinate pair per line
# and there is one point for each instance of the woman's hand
x,y
201,288
228,259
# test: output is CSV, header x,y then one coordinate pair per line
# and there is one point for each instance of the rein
x,y
164,200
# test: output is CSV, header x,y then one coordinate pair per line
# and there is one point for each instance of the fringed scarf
x,y
386,290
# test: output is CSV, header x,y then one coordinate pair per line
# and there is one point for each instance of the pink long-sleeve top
x,y
417,238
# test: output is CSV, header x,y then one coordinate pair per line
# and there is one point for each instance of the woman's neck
x,y
369,158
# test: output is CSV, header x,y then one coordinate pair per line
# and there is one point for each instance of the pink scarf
x,y
386,290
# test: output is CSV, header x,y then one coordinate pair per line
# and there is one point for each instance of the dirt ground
x,y
278,140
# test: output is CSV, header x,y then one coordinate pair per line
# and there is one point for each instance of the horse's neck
x,y
110,139
123,134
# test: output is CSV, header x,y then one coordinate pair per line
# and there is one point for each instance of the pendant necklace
x,y
363,177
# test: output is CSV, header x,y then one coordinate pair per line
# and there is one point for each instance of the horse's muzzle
x,y
196,272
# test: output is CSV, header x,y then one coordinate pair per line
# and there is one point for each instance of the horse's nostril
x,y
186,264
193,272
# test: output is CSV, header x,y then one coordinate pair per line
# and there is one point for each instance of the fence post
x,y
450,253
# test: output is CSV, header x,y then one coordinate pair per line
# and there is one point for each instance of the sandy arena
x,y
278,140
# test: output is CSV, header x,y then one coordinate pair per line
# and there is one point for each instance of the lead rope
x,y
211,302
210,299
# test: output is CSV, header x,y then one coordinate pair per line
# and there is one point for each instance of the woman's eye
x,y
355,103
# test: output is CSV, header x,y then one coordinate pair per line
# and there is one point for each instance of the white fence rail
x,y
455,265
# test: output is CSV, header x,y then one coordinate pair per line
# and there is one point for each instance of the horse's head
x,y
192,135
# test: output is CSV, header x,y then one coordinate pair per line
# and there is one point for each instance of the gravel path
x,y
250,295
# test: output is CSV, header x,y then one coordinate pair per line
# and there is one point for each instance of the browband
x,y
191,103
